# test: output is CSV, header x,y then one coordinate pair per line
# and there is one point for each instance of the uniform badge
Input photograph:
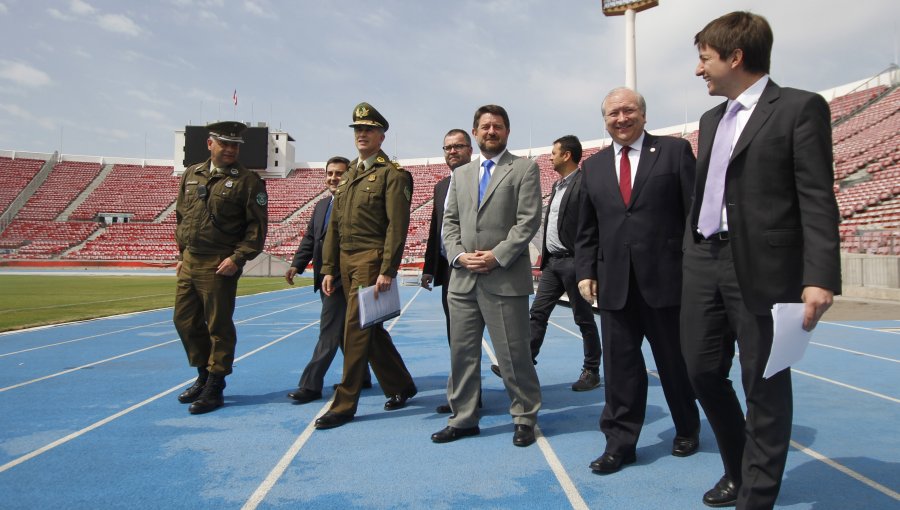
x,y
372,178
262,198
408,193
379,159
234,172
229,184
362,111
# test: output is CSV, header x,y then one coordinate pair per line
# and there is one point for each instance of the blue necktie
x,y
327,215
485,178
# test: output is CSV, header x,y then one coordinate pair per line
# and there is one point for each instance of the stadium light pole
x,y
629,8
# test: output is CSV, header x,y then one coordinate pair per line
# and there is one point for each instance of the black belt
x,y
718,237
562,255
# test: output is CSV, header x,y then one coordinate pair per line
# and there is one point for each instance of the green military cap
x,y
227,131
366,115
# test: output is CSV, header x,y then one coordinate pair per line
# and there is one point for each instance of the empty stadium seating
x,y
17,173
144,192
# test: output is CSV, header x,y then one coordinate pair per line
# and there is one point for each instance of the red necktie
x,y
625,175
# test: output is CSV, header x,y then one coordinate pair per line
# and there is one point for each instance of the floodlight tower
x,y
629,8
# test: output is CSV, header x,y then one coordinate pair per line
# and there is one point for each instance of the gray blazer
x,y
505,222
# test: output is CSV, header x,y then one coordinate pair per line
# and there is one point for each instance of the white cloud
x,y
147,98
23,74
118,23
151,114
81,7
258,8
56,13
3,9
21,113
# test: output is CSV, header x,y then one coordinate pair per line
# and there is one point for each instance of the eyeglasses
x,y
456,146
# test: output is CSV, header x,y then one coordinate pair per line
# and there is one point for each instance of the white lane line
x,y
855,352
276,473
879,330
568,486
64,342
847,471
63,440
95,363
844,385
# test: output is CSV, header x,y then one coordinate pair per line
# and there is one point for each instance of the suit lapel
x,y
649,155
608,178
704,150
758,118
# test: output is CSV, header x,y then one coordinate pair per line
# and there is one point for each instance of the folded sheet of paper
x,y
373,311
789,338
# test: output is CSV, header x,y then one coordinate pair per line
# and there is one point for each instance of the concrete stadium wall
x,y
871,276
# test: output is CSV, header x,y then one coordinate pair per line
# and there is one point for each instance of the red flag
x,y
234,97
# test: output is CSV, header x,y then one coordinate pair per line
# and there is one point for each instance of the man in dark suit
x,y
457,152
493,212
558,263
634,200
762,230
334,307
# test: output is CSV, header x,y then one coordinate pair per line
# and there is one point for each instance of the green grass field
x,y
27,301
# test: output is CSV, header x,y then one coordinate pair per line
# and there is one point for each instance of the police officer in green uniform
x,y
364,244
222,222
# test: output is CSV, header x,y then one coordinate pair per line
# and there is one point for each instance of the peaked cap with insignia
x,y
366,115
227,131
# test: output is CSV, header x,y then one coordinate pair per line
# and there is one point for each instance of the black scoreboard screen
x,y
254,150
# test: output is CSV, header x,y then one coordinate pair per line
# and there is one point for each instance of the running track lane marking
x,y
88,365
74,435
568,486
844,385
281,466
860,327
816,455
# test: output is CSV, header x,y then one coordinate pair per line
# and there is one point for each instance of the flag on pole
x,y
234,97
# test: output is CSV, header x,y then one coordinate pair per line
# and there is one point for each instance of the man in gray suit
x,y
493,211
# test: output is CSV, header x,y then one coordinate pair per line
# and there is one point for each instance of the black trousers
x,y
713,316
558,277
626,374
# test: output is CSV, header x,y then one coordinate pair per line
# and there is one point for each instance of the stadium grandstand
x,y
68,210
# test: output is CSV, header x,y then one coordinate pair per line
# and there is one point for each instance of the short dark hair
x,y
742,30
338,159
493,110
570,144
457,131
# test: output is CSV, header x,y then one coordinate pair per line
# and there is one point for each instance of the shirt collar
x,y
750,97
495,159
636,146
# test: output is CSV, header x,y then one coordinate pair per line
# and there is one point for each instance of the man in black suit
x,y
334,307
436,270
634,201
558,264
763,229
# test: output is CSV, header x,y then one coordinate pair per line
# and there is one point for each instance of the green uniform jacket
x,y
370,211
232,220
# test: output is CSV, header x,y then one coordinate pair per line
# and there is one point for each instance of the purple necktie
x,y
485,179
714,192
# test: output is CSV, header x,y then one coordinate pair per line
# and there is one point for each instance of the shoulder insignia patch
x,y
262,198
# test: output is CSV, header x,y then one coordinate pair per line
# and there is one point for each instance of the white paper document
x,y
373,311
789,339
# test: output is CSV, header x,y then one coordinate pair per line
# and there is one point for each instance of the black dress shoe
x,y
685,446
723,494
303,395
611,462
449,434
523,436
331,420
443,409
496,370
189,395
398,401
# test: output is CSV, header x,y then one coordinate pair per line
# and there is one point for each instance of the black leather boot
x,y
211,397
189,395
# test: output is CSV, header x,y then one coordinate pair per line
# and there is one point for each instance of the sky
x,y
118,77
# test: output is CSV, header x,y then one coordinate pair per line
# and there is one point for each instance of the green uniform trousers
x,y
204,306
372,345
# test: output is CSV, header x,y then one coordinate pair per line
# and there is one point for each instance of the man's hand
x,y
328,284
481,262
817,300
426,280
382,284
289,275
588,290
227,267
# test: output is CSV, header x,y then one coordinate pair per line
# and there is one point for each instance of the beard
x,y
492,147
